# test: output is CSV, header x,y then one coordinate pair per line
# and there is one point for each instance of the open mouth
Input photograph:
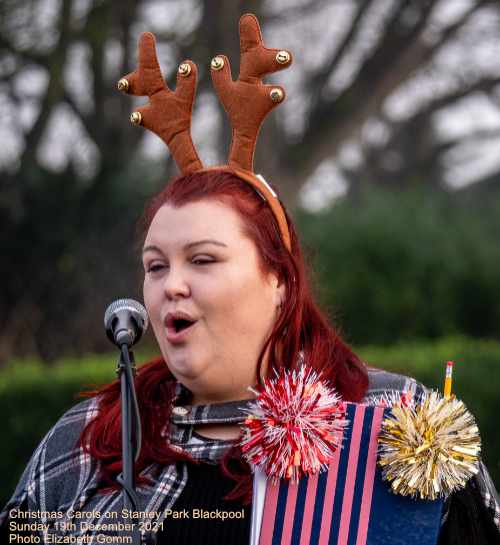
x,y
180,324
177,327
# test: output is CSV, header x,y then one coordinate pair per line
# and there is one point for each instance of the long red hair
x,y
301,327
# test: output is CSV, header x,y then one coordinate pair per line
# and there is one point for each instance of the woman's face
x,y
197,261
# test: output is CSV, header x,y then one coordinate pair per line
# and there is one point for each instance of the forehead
x,y
197,220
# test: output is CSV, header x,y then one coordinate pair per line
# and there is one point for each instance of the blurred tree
x,y
375,93
388,92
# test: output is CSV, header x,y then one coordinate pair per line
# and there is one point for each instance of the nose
x,y
175,284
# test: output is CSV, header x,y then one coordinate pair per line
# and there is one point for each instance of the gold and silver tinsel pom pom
x,y
429,449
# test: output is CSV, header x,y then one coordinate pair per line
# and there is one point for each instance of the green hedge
x,y
32,397
403,265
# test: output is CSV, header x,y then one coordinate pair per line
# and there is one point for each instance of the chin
x,y
184,367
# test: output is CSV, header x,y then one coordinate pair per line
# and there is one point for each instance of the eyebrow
x,y
154,248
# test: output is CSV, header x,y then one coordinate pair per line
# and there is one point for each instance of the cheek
x,y
241,300
145,294
151,300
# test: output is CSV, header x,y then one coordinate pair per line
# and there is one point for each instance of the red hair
x,y
301,327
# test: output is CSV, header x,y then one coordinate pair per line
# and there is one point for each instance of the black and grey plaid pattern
x,y
489,494
61,477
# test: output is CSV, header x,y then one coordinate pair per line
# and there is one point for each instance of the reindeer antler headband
x,y
247,101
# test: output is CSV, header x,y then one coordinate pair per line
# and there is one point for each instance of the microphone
x,y
125,321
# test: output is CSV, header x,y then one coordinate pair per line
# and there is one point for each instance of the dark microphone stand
x,y
131,433
125,320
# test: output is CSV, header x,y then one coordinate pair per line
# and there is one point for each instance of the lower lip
x,y
174,337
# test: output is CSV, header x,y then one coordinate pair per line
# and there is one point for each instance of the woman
x,y
212,256
227,293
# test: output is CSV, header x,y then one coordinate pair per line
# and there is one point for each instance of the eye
x,y
154,267
202,260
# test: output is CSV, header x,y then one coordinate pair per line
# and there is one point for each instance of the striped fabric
x,y
349,504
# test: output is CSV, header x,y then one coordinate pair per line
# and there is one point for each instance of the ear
x,y
279,290
281,293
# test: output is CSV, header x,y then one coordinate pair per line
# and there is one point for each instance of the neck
x,y
203,399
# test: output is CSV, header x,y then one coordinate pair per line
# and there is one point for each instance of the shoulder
x,y
484,497
64,435
56,465
381,381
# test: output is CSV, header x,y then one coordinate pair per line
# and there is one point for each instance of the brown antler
x,y
247,101
168,113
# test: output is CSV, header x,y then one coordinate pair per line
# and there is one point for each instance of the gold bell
x,y
217,63
283,57
276,94
184,69
123,85
136,118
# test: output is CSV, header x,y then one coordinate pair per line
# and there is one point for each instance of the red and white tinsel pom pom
x,y
294,426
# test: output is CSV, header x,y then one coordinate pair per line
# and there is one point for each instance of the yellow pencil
x,y
448,379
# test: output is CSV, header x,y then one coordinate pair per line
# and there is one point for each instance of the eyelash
x,y
156,268
204,261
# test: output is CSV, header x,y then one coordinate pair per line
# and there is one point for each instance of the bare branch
x,y
426,153
482,85
318,81
476,136
297,12
28,56
421,52
86,121
105,124
331,123
395,44
54,89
